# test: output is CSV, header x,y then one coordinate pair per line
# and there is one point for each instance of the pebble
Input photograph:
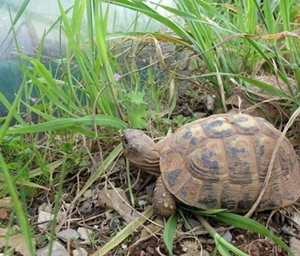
x,y
84,233
192,223
87,193
80,252
227,236
57,250
295,246
68,234
150,188
44,218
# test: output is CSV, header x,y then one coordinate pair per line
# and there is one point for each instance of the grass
x,y
107,81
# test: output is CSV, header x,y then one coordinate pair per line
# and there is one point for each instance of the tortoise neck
x,y
149,164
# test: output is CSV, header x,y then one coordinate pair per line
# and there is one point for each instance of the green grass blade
x,y
170,231
11,108
268,18
141,7
224,247
266,87
125,232
65,123
19,208
249,224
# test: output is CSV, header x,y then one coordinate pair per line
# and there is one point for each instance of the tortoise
x,y
218,162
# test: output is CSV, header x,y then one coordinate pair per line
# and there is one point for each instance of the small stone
x,y
80,252
150,188
45,208
86,207
150,250
44,218
124,246
227,236
192,223
295,246
209,101
87,193
84,233
57,250
68,234
143,203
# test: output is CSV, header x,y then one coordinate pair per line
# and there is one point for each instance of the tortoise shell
x,y
221,162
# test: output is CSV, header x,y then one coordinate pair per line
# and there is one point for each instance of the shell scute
x,y
246,202
227,199
239,151
268,129
175,177
189,191
208,199
207,162
246,125
217,128
183,142
210,203
187,133
286,162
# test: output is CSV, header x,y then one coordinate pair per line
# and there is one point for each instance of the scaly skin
x,y
163,201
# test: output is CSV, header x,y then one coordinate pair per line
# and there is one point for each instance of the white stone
x,y
69,234
87,193
80,252
44,217
227,236
57,250
84,233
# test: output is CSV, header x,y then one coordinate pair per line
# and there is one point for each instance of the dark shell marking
x,y
221,162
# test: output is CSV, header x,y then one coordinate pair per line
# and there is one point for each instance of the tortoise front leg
x,y
163,201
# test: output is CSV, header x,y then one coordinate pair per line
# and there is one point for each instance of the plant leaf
x,y
249,224
169,231
137,116
64,123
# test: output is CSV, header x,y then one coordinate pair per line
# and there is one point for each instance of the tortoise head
x,y
141,150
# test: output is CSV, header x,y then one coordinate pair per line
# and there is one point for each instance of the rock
x,y
68,234
191,223
87,194
86,207
80,252
84,233
227,236
150,188
295,246
44,218
57,250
